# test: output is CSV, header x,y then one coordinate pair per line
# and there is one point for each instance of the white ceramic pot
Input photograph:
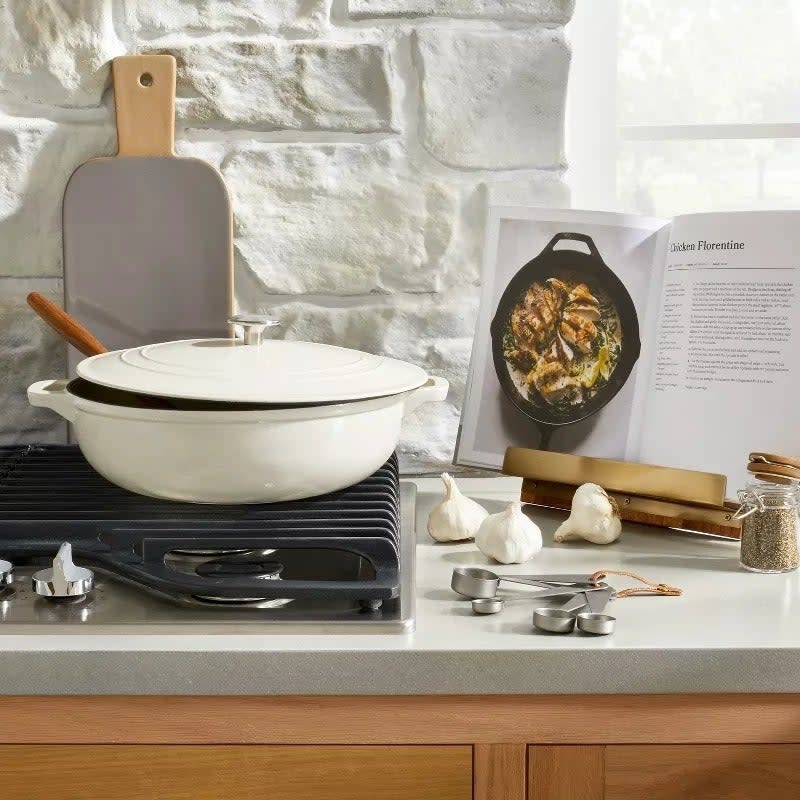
x,y
238,420
230,456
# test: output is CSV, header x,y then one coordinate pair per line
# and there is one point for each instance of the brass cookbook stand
x,y
660,496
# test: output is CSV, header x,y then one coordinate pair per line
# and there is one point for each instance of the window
x,y
685,105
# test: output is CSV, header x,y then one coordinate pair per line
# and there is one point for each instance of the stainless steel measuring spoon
x,y
476,582
494,605
487,605
479,583
580,579
559,619
565,618
595,621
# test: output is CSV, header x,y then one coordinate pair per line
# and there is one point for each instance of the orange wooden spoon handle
x,y
65,326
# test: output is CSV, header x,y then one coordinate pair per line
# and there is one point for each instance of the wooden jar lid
x,y
772,458
762,476
776,468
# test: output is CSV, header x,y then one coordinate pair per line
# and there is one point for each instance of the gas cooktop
x,y
75,549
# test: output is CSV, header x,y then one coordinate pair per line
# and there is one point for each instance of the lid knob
x,y
253,326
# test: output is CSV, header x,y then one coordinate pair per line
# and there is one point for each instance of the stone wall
x,y
361,142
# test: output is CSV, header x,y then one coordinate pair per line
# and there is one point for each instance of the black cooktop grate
x,y
50,494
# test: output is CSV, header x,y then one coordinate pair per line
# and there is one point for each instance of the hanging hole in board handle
x,y
146,79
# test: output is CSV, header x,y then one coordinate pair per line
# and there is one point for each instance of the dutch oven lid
x,y
251,370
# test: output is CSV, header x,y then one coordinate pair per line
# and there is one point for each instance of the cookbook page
x,y
563,318
725,377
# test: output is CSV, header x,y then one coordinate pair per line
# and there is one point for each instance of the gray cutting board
x,y
148,252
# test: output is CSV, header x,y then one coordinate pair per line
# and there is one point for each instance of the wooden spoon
x,y
65,325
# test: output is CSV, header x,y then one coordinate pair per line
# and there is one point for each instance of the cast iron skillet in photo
x,y
572,265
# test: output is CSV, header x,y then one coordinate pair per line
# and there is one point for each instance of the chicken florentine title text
x,y
703,244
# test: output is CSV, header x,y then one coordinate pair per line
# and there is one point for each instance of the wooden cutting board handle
x,y
144,99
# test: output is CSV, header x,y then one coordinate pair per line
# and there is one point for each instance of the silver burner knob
x,y
65,580
6,574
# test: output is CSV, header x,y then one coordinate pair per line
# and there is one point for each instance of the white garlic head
x,y
594,517
457,517
509,537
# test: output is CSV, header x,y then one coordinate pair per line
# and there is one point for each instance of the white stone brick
x,y
337,218
545,11
285,84
37,158
409,327
29,352
543,191
493,99
433,331
152,18
55,52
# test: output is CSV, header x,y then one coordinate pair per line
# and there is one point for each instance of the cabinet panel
x,y
499,772
711,772
565,772
236,772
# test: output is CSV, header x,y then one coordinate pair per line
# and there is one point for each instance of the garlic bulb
x,y
509,537
457,517
594,517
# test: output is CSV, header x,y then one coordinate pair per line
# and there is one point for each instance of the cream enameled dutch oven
x,y
238,420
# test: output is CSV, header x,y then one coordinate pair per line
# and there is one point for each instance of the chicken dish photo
x,y
562,342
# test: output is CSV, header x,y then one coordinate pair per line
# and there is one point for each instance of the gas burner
x,y
223,563
254,562
245,602
263,570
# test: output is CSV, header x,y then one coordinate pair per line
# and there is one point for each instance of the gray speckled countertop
x,y
731,632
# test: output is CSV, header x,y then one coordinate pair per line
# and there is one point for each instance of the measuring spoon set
x,y
584,609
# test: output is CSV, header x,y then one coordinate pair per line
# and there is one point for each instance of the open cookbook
x,y
672,343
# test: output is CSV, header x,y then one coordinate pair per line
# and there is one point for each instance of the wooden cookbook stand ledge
x,y
659,496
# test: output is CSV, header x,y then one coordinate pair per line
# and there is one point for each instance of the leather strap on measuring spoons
x,y
649,588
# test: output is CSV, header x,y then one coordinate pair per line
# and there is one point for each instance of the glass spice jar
x,y
770,524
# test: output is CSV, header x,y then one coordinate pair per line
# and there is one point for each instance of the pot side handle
x,y
432,391
53,395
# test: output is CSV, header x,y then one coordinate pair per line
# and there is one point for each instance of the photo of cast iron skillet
x,y
571,265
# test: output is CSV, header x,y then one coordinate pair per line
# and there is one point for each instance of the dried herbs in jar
x,y
769,514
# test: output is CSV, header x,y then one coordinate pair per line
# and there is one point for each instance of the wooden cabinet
x,y
664,772
711,772
401,772
604,747
565,772
236,772
499,771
